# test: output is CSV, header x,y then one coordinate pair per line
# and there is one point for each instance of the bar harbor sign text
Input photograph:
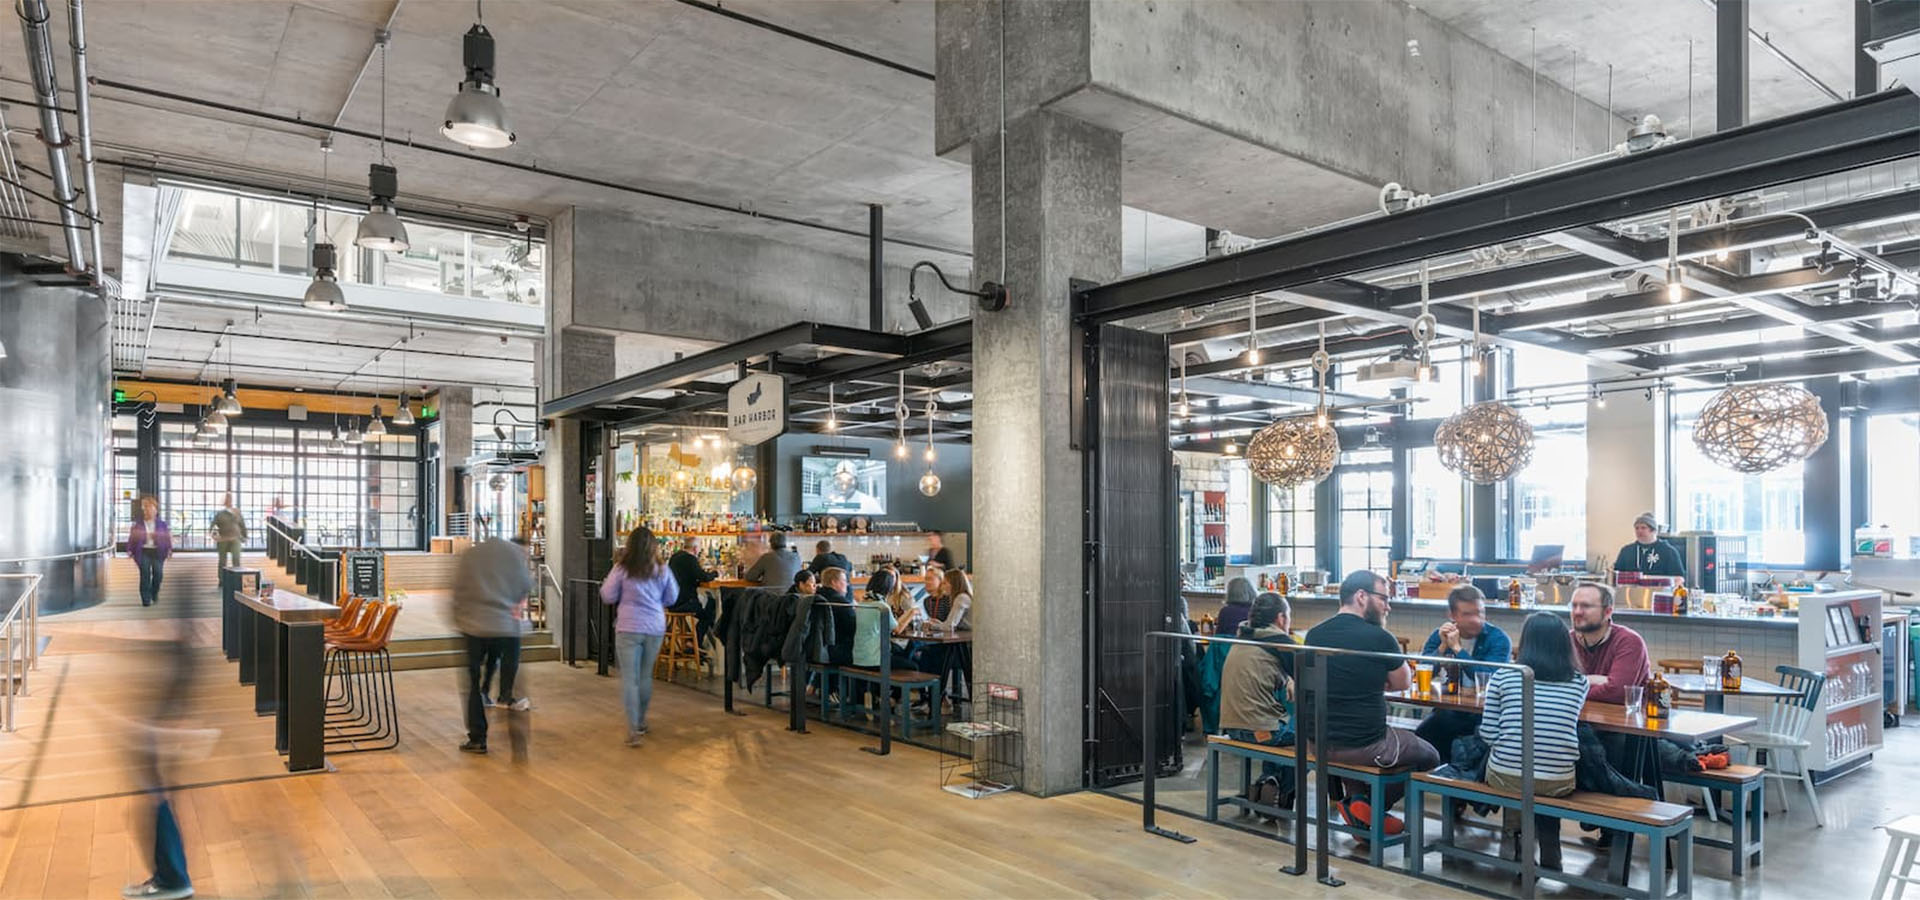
x,y
757,408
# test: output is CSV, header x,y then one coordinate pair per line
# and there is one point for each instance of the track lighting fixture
x,y
475,117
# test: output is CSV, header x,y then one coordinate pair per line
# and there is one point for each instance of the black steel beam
x,y
1812,343
1815,366
1822,141
1730,53
1285,318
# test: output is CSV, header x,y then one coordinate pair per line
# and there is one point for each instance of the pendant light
x,y
929,455
229,399
217,420
381,229
1424,326
930,482
353,437
403,415
323,293
1253,334
376,428
1676,290
475,117
900,419
833,421
1186,408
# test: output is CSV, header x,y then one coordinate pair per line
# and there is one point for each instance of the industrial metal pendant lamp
x,y
475,117
229,400
403,415
323,293
353,437
381,229
376,428
217,420
1754,428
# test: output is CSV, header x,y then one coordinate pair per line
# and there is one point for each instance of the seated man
x,y
1255,688
1357,730
1465,635
1614,657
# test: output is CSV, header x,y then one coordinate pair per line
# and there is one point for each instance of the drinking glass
x,y
1710,669
1423,679
1636,694
1480,680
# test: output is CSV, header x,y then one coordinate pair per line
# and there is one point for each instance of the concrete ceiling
x,y
1645,41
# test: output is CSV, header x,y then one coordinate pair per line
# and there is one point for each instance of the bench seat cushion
x,y
1655,813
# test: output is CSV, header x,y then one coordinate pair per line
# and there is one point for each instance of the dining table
x,y
1714,697
952,650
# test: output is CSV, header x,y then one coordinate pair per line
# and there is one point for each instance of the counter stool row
x,y
361,710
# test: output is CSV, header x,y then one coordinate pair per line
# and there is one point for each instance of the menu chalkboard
x,y
366,573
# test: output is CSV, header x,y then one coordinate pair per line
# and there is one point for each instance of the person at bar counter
x,y
1255,690
1465,635
1357,730
1648,554
825,558
937,552
1559,691
1613,656
1234,611
775,568
688,575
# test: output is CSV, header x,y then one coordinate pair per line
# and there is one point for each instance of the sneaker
x,y
147,890
479,747
523,704
635,737
1360,815
487,702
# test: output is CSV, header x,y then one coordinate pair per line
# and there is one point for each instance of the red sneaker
x,y
1359,814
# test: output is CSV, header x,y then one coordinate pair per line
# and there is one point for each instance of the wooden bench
x,y
1744,783
1375,778
1657,820
907,680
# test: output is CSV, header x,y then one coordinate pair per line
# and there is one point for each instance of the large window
x,y
1893,472
1365,491
1290,526
1707,497
1438,508
273,235
1548,499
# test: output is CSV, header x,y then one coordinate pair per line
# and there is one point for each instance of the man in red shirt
x,y
1613,656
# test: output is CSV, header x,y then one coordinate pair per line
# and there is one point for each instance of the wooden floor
x,y
713,805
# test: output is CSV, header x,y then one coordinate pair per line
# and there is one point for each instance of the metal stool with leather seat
x,y
368,717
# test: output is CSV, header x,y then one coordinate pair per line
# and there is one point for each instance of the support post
x,y
1866,70
876,266
1730,64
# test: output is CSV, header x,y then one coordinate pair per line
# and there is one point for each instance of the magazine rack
x,y
983,756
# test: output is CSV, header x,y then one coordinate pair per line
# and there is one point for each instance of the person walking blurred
x,y
158,732
640,587
490,584
149,542
229,532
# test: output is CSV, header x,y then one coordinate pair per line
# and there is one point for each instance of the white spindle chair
x,y
1785,736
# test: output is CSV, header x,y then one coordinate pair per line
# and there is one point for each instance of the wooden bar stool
x,y
681,648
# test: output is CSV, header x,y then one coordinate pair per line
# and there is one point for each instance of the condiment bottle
x,y
1730,671
1659,697
1680,600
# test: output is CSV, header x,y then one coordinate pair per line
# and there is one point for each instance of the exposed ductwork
x,y
46,92
83,125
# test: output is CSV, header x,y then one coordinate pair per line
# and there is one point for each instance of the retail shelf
x,y
1861,753
1863,701
1851,649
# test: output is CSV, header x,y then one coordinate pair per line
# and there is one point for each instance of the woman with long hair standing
x,y
149,542
640,587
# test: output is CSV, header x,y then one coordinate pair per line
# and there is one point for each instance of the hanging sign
x,y
757,408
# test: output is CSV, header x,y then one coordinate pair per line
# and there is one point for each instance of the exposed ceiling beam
x,y
1733,352
1278,393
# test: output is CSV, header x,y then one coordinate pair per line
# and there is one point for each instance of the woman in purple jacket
x,y
640,587
149,542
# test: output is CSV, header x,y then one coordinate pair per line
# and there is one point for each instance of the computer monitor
x,y
1546,556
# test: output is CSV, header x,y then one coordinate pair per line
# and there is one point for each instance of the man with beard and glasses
x,y
1357,730
1613,656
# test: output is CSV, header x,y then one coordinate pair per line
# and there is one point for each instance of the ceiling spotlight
x,y
323,293
376,428
1675,290
1599,399
500,434
900,450
1722,255
1231,449
475,117
381,229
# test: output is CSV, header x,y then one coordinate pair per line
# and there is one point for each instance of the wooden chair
x,y
1784,735
1688,667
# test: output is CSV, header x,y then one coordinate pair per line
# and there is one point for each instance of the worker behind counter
x,y
1648,554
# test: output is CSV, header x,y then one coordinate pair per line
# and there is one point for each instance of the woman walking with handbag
x,y
640,587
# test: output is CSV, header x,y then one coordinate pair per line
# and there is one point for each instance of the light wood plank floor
x,y
712,806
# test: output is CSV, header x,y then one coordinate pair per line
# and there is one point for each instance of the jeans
x,y
481,653
636,653
169,850
1281,738
150,561
228,550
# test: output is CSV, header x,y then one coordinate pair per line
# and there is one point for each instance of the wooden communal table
x,y
289,668
954,649
1715,699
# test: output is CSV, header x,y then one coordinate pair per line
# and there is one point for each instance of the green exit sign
x,y
119,395
429,411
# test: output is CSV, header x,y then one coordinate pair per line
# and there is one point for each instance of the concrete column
x,y
1626,468
1061,221
456,442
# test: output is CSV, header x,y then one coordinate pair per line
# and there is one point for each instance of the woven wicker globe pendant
x,y
1293,451
1485,443
1754,428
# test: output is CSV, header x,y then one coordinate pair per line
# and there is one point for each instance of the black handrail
x,y
1310,677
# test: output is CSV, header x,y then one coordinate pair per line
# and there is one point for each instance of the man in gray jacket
x,y
492,582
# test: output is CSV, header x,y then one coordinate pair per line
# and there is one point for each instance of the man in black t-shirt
x,y
1357,730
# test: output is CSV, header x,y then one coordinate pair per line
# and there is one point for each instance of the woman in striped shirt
x,y
1559,691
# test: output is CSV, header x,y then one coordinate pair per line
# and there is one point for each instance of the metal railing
x,y
317,572
1310,693
58,556
21,657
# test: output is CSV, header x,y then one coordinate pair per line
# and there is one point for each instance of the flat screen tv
x,y
836,486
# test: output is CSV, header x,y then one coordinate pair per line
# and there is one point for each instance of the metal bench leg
x,y
1446,818
1376,823
1213,784
1657,867
1416,826
1684,869
1738,820
1756,829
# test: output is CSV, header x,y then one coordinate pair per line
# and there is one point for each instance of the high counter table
x,y
290,645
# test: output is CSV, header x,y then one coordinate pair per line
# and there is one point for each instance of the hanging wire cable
x,y
931,407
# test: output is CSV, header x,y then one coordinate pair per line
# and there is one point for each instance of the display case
x,y
1840,635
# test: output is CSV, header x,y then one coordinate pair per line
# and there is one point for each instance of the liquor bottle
x,y
1659,697
1513,593
1283,584
1730,671
1452,680
1680,600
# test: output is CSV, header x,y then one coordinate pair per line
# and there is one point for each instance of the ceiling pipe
x,y
46,91
83,124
